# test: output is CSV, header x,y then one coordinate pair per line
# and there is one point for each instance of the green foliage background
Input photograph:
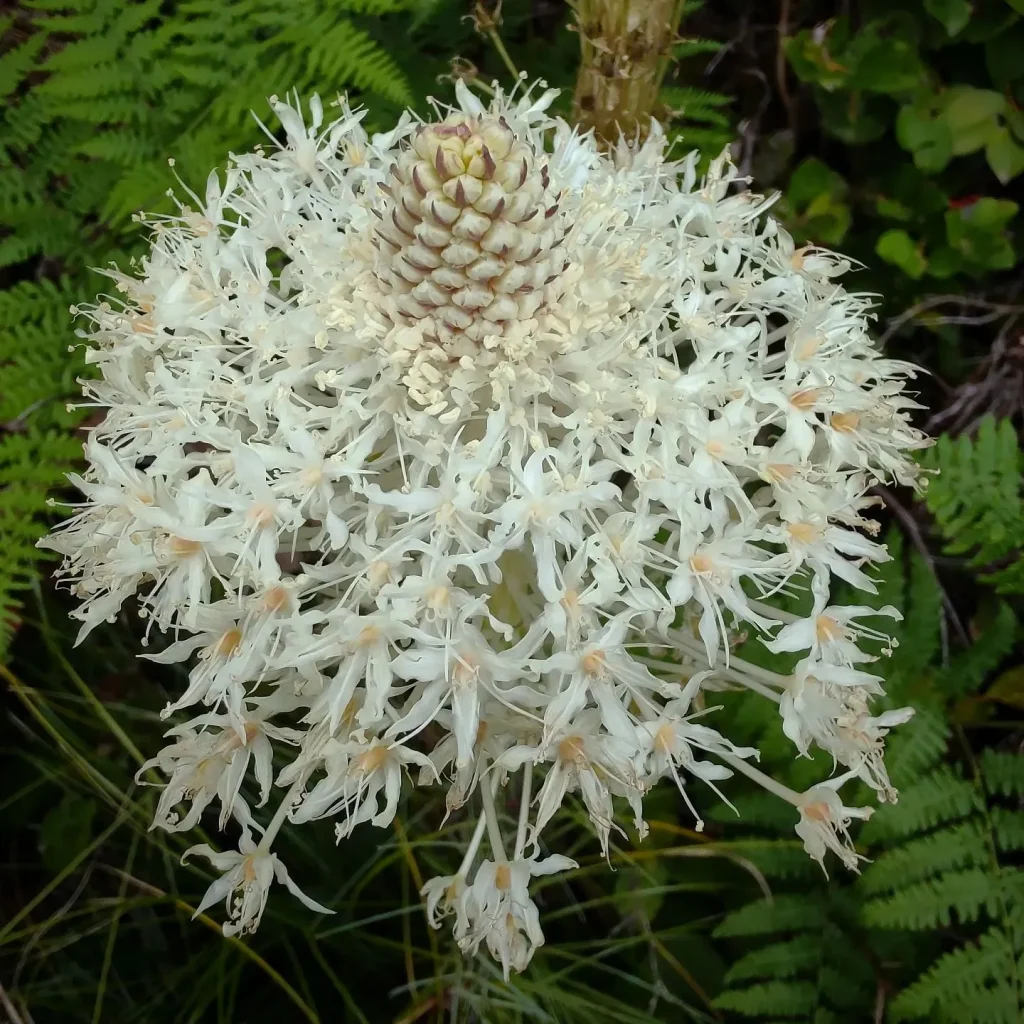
x,y
894,132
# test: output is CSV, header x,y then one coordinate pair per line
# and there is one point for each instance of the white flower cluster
x,y
468,450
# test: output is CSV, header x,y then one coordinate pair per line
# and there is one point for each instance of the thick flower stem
x,y
625,51
493,828
473,848
281,813
524,809
774,787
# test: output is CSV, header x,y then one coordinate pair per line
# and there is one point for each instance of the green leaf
x,y
1004,155
1002,55
895,246
964,974
811,179
66,830
978,232
811,58
944,262
927,137
971,116
1003,772
853,117
1015,122
816,196
780,960
887,65
954,14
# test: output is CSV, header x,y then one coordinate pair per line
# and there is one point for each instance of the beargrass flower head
x,y
459,456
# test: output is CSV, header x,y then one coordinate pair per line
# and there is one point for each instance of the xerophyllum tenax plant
x,y
460,456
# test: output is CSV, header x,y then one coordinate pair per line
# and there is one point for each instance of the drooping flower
x,y
824,822
449,452
244,885
498,911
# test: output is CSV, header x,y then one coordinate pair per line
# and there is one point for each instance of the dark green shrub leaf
x,y
816,198
1002,55
971,115
977,232
898,248
927,137
1004,155
954,14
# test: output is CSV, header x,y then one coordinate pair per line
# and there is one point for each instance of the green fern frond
x,y
758,810
968,669
917,635
961,846
776,858
781,960
972,974
1008,829
775,916
682,97
934,902
772,1000
936,798
1002,773
694,47
917,746
934,857
976,496
17,63
346,53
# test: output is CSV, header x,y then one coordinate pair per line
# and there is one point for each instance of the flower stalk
x,y
625,53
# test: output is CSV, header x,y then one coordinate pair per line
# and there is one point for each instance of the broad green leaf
x,y
1003,55
897,247
854,118
954,14
927,137
1015,122
971,116
978,233
811,57
812,179
816,198
1004,155
888,66
944,262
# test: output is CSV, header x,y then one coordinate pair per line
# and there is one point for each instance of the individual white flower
x,y
829,706
354,783
831,632
497,910
210,757
245,884
448,452
582,757
667,744
445,895
825,820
